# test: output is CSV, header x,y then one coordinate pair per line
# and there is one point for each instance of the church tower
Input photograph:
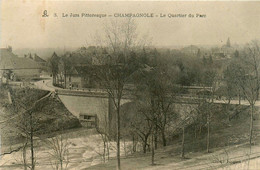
x,y
228,43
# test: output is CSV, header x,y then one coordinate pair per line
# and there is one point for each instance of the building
x,y
40,61
15,68
88,120
78,69
191,50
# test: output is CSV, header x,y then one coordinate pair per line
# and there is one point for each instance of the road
x,y
47,85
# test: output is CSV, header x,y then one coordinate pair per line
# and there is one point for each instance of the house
x,y
70,67
192,50
16,68
227,50
39,60
88,120
78,69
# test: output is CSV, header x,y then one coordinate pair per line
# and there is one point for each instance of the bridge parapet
x,y
82,93
97,93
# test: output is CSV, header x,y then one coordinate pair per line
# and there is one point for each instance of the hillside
x,y
228,144
49,114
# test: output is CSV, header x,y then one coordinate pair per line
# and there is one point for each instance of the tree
x,y
141,124
232,87
155,95
249,78
53,65
103,128
120,39
66,68
156,86
205,114
188,116
59,151
27,122
209,117
145,121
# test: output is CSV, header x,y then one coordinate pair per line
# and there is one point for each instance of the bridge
x,y
96,102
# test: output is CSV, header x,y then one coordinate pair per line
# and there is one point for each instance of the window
x,y
87,117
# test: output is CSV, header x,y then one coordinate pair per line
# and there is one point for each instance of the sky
x,y
22,24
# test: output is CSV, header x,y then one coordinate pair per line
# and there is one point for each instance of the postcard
x,y
129,85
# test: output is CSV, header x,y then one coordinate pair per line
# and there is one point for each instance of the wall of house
x,y
81,82
75,81
21,73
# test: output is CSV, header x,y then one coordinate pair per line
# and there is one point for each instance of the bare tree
x,y
249,79
104,131
120,39
53,63
65,67
27,123
59,151
142,125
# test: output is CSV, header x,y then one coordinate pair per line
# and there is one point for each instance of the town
x,y
78,84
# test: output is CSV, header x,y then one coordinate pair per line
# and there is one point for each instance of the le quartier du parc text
x,y
137,15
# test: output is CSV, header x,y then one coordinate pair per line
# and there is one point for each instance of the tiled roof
x,y
10,61
80,59
39,59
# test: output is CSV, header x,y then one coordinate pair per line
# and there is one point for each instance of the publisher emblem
x,y
45,13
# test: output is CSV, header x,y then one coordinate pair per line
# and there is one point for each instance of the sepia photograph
x,y
129,85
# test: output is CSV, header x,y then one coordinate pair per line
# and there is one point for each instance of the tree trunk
x,y
251,125
208,137
104,151
65,80
239,98
153,153
149,145
24,157
107,148
31,141
144,147
124,147
163,138
118,135
200,130
156,138
134,145
57,80
54,79
195,132
145,143
61,164
183,138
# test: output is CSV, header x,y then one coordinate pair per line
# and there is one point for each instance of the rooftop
x,y
9,60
